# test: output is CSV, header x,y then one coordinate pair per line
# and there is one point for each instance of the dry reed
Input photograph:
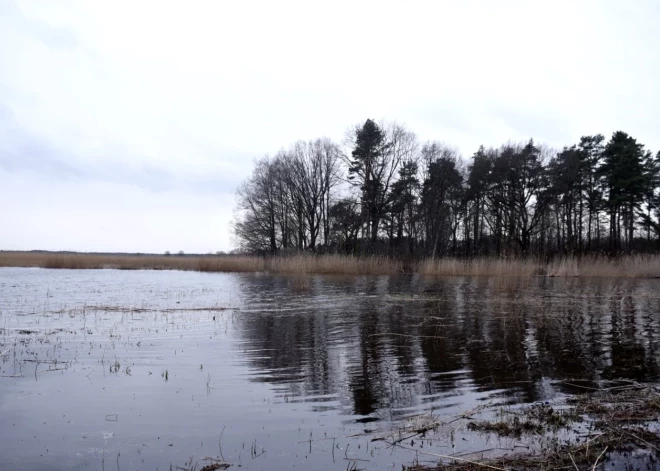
x,y
634,266
297,264
206,263
334,264
480,267
300,282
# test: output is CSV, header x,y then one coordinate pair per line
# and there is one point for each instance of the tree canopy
x,y
384,192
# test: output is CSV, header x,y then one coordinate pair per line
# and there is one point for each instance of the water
x,y
106,369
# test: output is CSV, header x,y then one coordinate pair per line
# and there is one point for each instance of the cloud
x,y
177,99
50,35
22,151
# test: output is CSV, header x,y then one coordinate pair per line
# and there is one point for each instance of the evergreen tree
x,y
365,169
624,179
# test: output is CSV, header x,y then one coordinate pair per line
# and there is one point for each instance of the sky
x,y
126,126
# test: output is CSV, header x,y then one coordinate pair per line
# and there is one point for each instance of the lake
x,y
109,369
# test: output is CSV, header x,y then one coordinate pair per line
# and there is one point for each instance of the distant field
x,y
218,263
324,264
636,266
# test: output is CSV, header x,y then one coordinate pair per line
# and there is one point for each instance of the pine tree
x,y
624,179
366,169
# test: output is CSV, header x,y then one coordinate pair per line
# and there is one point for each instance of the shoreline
x,y
611,423
628,266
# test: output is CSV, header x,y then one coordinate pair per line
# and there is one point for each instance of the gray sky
x,y
126,125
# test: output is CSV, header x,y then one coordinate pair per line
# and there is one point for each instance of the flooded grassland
x,y
109,369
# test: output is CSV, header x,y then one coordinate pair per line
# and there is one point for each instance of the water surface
x,y
107,369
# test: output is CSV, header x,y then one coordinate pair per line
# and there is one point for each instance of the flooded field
x,y
126,370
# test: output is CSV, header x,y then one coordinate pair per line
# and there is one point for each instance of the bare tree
x,y
256,227
313,172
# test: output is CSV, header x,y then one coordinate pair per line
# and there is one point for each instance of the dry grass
x,y
636,266
296,264
565,267
578,435
481,267
300,282
334,264
210,263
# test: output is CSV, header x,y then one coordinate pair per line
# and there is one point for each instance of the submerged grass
x,y
634,266
619,421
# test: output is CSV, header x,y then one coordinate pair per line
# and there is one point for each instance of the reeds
x,y
334,264
206,263
481,267
634,266
295,264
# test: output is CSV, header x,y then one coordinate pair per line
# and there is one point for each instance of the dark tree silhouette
x,y
519,199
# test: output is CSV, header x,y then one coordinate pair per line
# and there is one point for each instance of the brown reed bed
x,y
334,264
295,264
481,267
205,263
635,266
632,266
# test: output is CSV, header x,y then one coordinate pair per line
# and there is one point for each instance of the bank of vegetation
x,y
383,192
632,266
384,203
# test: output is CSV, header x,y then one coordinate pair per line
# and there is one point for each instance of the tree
x,y
517,195
592,153
346,222
624,179
257,224
314,170
519,198
404,196
566,180
375,158
651,195
476,191
442,195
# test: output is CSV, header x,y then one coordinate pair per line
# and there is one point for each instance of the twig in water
x,y
333,450
636,437
452,458
220,443
597,459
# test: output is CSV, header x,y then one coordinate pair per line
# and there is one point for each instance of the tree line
x,y
382,191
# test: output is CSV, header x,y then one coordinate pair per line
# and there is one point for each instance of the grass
x,y
635,266
334,264
481,267
296,264
205,263
583,434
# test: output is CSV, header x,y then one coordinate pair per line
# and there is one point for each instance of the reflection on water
x,y
389,344
280,366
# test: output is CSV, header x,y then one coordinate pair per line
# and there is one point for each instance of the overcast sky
x,y
127,125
